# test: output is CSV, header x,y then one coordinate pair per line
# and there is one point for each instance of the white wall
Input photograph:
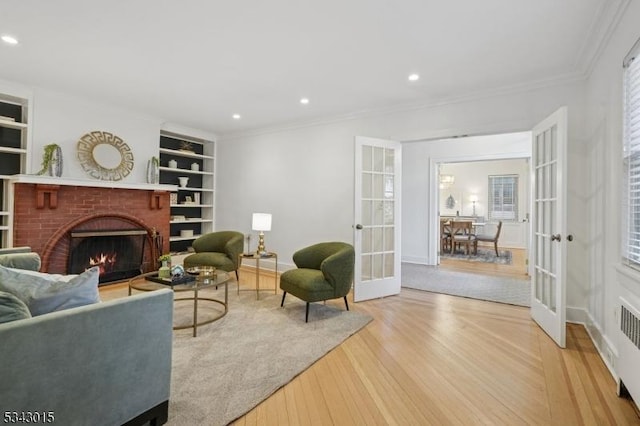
x,y
603,153
472,178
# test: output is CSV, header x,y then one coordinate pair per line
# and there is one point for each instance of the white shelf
x,y
9,150
13,153
200,182
186,171
186,154
179,238
192,205
194,220
190,188
12,124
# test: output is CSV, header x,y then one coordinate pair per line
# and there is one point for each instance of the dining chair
x,y
462,234
445,235
490,239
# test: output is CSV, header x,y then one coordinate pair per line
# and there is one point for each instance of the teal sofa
x,y
324,271
106,363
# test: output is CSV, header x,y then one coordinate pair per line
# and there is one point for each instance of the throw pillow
x,y
42,294
12,308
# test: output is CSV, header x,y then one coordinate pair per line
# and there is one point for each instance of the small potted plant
x,y
165,269
52,160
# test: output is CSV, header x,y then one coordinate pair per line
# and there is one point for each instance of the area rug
x,y
496,289
484,255
238,361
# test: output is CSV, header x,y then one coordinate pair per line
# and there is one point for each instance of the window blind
x,y
503,198
631,152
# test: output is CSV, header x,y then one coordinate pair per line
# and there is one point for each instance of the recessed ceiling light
x,y
9,39
236,116
304,101
414,77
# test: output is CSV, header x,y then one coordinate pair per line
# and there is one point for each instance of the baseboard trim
x,y
605,348
416,260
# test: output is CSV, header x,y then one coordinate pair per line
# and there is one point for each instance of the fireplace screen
x,y
118,253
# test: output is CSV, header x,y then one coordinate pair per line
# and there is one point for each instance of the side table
x,y
257,258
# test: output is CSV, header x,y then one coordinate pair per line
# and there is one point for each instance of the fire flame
x,y
104,261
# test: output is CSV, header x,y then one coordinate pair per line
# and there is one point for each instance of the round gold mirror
x,y
105,156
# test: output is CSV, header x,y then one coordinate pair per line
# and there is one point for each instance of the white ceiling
x,y
197,62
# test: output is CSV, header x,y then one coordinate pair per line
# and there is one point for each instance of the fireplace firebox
x,y
118,253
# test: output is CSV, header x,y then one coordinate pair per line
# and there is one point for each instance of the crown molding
x,y
564,79
602,27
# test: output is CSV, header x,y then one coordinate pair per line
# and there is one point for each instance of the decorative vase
x,y
153,171
164,271
183,181
55,165
173,164
195,167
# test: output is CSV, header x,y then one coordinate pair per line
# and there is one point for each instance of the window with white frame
x,y
631,156
503,198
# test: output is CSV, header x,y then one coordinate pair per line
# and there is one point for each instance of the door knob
x,y
358,226
569,237
556,237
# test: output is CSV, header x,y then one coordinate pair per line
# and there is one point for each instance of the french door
x,y
549,225
377,218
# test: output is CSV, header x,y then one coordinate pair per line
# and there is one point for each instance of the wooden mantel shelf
x,y
48,180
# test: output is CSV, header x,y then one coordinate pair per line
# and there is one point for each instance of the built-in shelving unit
x,y
191,205
13,156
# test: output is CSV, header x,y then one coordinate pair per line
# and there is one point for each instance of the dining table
x,y
445,231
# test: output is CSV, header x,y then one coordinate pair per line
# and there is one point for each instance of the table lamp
x,y
473,199
261,222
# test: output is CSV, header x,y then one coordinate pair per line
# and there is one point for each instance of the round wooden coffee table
x,y
142,283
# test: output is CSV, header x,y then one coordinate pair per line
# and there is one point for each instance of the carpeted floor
x,y
496,289
258,347
484,255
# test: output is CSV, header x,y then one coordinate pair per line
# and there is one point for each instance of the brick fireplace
x,y
47,210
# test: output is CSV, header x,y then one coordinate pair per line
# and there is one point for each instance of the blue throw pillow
x,y
12,308
43,293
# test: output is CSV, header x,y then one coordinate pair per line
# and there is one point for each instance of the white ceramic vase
x,y
153,171
184,180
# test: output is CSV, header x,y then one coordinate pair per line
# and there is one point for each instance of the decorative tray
x,y
171,281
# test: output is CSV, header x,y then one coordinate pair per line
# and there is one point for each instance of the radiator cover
x,y
629,354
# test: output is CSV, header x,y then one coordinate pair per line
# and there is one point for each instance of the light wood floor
x,y
433,359
517,268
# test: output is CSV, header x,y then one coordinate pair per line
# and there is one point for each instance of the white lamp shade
x,y
473,198
261,222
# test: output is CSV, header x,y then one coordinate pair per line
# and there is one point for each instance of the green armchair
x,y
219,249
325,271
